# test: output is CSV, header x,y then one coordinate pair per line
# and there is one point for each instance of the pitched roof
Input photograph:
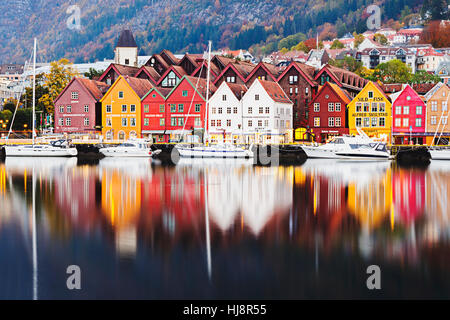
x,y
150,71
96,88
170,55
121,70
238,89
341,93
200,85
162,91
274,90
140,86
126,40
343,77
431,93
305,70
179,71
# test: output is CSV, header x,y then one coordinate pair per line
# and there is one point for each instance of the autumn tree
x,y
337,44
437,34
359,38
61,73
380,38
393,71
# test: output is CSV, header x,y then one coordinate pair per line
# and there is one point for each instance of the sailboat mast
x,y
207,92
34,88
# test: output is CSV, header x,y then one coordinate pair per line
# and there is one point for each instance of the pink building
x,y
77,108
409,117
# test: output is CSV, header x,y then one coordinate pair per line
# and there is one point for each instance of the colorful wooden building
x,y
328,113
154,114
437,101
408,117
121,108
370,111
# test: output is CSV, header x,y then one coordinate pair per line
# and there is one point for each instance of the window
x,y
108,122
398,109
444,120
197,122
331,122
260,123
173,108
127,61
316,107
316,122
330,107
162,122
366,122
68,121
198,107
374,122
86,109
108,109
249,123
405,122
267,110
61,121
132,108
405,109
337,122
366,107
374,107
220,110
261,110
293,79
231,79
86,122
419,110
180,122
228,123
181,108
184,93
235,110
124,122
370,94
219,123
61,109
337,107
444,105
256,97
124,108
382,107
213,123
224,97
266,123
133,122
161,108
358,107
228,110
433,120
358,122
433,105
69,109
213,110
173,122
146,121
120,94
249,110
306,90
74,95
398,122
418,122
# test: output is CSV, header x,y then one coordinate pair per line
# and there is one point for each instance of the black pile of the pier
x,y
89,151
413,156
278,154
2,153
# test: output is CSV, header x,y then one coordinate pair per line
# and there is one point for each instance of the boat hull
x,y
316,153
39,151
440,154
131,153
205,152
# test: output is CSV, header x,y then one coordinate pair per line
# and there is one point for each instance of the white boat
x,y
439,153
60,149
214,151
349,147
136,148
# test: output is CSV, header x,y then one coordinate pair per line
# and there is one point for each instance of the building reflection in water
x,y
370,209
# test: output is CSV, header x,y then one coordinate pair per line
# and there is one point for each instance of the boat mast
x,y
34,88
207,92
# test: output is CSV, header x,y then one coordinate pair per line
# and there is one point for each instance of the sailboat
x,y
212,151
34,150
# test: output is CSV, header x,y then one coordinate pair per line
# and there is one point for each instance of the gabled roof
x,y
94,88
126,40
214,70
194,59
179,71
275,91
342,77
139,86
149,71
406,90
305,70
377,87
163,92
431,93
199,85
342,94
160,60
121,70
241,70
223,61
170,56
270,69
238,89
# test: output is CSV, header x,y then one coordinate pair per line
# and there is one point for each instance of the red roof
x,y
96,88
120,69
274,90
140,86
238,89
150,71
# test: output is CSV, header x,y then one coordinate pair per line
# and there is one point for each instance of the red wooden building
x,y
154,113
328,113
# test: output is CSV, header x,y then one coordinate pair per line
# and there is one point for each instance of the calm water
x,y
223,229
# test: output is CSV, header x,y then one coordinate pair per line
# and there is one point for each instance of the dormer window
x,y
127,61
370,94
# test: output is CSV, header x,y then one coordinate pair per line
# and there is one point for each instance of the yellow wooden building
x,y
121,108
371,111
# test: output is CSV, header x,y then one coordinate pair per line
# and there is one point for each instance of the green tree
x,y
421,76
10,104
359,38
61,73
348,63
380,38
92,73
337,44
394,71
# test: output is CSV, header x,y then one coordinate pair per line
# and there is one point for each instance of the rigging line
x,y
192,100
20,96
446,120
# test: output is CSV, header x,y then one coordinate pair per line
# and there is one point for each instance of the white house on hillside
x,y
225,113
267,113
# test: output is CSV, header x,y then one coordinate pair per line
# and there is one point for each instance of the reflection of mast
x,y
34,236
208,239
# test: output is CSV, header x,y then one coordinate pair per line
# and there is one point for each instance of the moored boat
x,y
136,148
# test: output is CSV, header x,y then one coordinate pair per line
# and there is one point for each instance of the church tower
x,y
126,51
